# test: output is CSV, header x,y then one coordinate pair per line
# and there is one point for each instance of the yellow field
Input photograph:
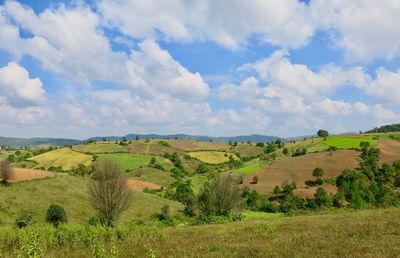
x,y
212,157
65,157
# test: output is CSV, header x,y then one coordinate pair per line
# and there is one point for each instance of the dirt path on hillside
x,y
139,185
147,148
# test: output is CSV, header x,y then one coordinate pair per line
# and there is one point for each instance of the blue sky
x,y
83,68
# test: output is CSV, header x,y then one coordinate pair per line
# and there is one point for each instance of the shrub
x,y
202,168
6,172
24,220
255,179
219,196
56,215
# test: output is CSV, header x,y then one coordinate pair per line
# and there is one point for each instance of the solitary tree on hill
x,y
109,192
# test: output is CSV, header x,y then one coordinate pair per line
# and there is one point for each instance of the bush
x,y
219,196
24,220
56,215
6,172
255,179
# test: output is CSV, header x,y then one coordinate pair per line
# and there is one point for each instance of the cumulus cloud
x,y
65,41
365,29
154,71
17,89
229,23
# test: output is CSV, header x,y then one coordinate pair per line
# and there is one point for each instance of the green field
x,y
348,142
212,157
249,169
100,147
71,192
246,150
153,175
128,161
65,157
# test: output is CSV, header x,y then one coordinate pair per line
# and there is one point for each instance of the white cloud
x,y
65,41
365,29
229,23
16,88
386,86
154,71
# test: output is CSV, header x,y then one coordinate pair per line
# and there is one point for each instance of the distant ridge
x,y
241,138
31,142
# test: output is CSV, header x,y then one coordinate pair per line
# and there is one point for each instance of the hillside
x,y
385,129
31,142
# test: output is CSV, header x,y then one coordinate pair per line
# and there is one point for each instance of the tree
x,y
260,144
322,133
219,196
137,137
6,172
285,151
322,198
109,192
202,168
318,172
56,215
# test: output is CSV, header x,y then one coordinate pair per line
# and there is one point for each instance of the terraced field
x,y
64,157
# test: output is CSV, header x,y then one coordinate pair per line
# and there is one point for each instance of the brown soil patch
x,y
139,185
23,174
390,150
299,169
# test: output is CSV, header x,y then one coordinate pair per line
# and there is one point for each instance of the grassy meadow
x,y
129,161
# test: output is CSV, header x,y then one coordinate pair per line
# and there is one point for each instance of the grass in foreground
x,y
64,157
367,233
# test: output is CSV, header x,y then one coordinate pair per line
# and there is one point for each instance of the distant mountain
x,y
30,142
385,129
241,138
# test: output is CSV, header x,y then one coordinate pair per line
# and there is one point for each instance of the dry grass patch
x,y
212,157
65,157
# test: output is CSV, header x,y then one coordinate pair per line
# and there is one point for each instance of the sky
x,y
78,69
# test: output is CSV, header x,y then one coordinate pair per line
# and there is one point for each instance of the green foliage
x,y
322,133
318,172
299,152
270,148
219,196
202,168
24,220
385,129
322,199
56,215
285,151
